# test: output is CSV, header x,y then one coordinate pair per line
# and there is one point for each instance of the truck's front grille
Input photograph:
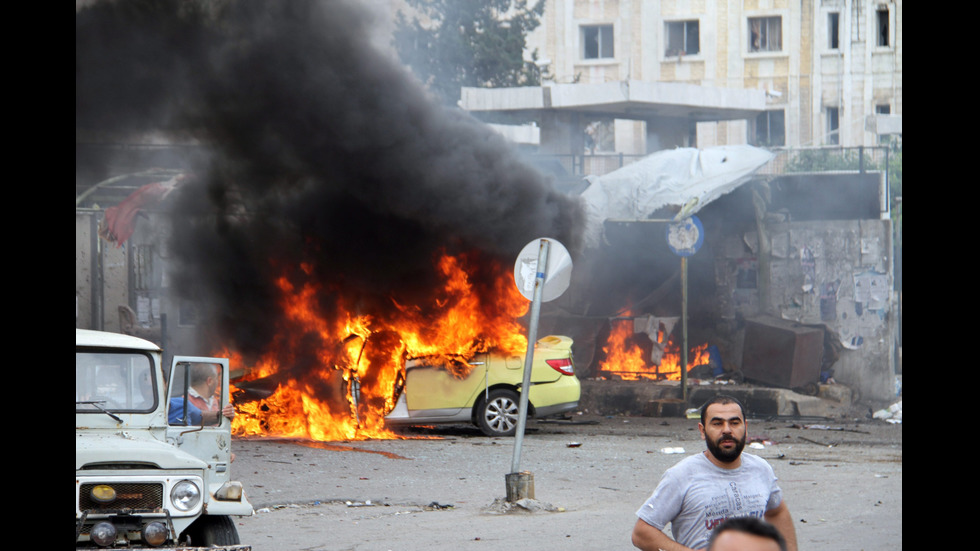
x,y
140,496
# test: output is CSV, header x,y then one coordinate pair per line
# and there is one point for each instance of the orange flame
x,y
628,360
360,360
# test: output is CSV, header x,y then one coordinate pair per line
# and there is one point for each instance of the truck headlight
x,y
103,493
185,495
155,534
103,534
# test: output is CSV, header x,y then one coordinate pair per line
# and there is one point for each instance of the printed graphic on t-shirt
x,y
735,502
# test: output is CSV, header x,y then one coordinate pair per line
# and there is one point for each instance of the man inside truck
x,y
203,404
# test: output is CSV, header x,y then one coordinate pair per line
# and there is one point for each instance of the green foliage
x,y
895,172
449,44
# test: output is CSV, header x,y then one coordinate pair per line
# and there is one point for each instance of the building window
x,y
600,136
883,109
597,41
833,31
882,26
144,274
833,126
765,34
682,38
770,129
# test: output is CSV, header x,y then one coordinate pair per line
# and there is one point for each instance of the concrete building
x,y
637,76
630,77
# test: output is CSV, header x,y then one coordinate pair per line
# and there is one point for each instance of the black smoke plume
x,y
327,162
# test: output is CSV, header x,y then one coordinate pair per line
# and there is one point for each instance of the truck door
x,y
197,388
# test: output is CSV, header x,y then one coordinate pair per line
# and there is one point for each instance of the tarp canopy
x,y
688,178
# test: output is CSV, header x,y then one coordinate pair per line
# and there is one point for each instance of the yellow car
x,y
489,395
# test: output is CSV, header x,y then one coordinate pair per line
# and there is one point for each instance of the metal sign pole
x,y
684,328
684,237
532,337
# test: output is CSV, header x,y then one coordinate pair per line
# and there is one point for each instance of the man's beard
x,y
726,456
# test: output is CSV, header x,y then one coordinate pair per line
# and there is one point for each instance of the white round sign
x,y
558,273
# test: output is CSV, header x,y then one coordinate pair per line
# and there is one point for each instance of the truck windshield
x,y
113,381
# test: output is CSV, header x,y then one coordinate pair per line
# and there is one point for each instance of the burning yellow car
x,y
486,393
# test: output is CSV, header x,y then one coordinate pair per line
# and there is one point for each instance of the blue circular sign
x,y
686,236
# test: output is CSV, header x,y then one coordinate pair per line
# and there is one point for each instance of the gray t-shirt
x,y
695,495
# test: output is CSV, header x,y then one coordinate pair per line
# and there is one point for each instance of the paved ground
x,y
444,488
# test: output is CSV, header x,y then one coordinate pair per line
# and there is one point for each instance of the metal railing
x,y
788,160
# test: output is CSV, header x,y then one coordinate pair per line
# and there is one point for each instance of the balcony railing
x,y
812,159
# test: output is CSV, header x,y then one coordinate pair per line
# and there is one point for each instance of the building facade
x,y
831,70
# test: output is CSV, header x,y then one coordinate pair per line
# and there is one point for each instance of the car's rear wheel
x,y
497,414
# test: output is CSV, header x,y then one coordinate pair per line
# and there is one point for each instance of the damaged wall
x,y
101,276
125,289
833,273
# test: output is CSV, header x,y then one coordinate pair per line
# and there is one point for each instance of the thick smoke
x,y
328,162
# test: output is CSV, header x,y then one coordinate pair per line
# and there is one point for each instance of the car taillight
x,y
562,365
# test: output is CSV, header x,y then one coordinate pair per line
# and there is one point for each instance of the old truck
x,y
152,469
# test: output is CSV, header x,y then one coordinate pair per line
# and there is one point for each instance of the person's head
x,y
746,534
204,377
723,429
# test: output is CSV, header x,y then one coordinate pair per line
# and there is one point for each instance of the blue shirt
x,y
175,416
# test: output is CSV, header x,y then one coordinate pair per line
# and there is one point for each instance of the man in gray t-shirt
x,y
701,491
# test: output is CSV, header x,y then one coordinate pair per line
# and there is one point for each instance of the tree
x,y
449,44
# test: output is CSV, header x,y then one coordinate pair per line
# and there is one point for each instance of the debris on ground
x,y
525,506
891,414
435,505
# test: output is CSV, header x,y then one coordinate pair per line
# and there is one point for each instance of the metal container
x,y
782,353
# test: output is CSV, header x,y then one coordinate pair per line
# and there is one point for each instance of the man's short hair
x,y
201,371
721,399
749,525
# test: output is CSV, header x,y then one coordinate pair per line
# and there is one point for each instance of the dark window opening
x,y
770,129
833,31
882,14
597,42
833,126
682,38
765,34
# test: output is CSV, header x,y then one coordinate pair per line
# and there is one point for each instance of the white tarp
x,y
685,177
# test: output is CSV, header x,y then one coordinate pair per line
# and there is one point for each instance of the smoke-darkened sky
x,y
327,161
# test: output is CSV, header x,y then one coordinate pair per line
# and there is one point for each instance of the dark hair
x,y
749,525
721,399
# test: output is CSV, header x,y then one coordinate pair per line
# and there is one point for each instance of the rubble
x,y
891,414
521,506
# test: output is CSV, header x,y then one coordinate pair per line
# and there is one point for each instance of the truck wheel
x,y
208,531
496,415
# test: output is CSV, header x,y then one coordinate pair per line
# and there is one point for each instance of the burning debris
x,y
336,199
644,348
